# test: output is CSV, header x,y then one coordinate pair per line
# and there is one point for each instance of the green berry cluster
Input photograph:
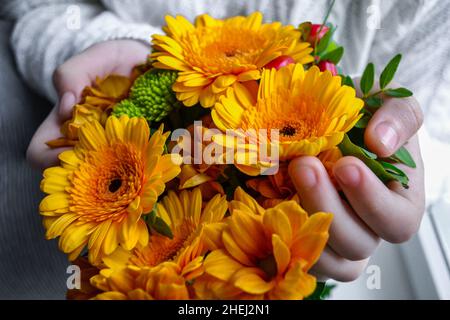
x,y
151,96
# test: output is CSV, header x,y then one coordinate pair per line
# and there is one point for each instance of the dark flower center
x,y
115,185
269,266
288,131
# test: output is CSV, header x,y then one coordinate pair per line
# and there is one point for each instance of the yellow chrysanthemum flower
x,y
311,110
213,55
99,193
264,254
162,282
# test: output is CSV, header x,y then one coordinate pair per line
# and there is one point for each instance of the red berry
x,y
279,62
313,35
327,65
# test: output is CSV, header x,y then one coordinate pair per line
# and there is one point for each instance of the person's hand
x,y
374,211
118,57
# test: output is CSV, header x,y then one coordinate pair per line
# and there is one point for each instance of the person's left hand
x,y
374,211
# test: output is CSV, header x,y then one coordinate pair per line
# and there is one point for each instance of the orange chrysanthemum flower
x,y
99,193
213,55
264,254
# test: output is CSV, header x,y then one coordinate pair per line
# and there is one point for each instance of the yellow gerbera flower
x,y
186,215
311,110
162,282
263,253
103,186
213,55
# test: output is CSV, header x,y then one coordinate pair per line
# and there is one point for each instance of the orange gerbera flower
x,y
263,253
99,193
213,55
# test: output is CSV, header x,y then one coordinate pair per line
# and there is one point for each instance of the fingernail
x,y
348,175
307,177
388,136
66,104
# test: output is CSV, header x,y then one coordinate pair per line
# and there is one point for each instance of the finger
x,y
349,236
392,216
392,125
416,191
66,103
39,154
331,265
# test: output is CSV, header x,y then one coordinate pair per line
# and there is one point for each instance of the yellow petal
x,y
95,244
234,250
248,232
281,253
213,235
169,166
58,202
277,222
111,240
128,234
55,180
92,136
114,129
137,132
223,82
249,75
75,236
220,265
58,226
251,282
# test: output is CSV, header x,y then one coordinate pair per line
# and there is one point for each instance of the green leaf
x,y
396,172
347,81
324,42
374,102
389,72
334,56
403,156
368,79
320,286
369,154
305,29
322,291
326,292
162,228
384,171
158,224
363,122
150,218
398,93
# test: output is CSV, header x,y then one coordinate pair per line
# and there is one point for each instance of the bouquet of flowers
x,y
176,182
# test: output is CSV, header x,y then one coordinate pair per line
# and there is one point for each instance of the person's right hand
x,y
100,60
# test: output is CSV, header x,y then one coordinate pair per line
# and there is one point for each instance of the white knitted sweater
x,y
44,36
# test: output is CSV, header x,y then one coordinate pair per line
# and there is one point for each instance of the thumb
x,y
69,80
393,125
